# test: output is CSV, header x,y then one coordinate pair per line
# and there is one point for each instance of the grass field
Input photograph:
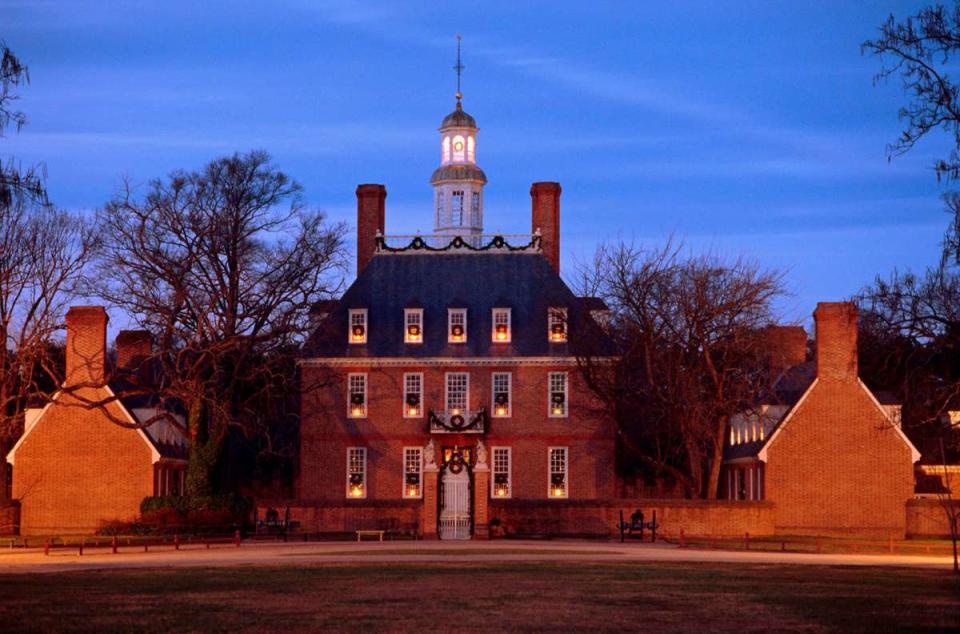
x,y
560,597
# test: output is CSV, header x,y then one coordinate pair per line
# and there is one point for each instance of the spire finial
x,y
459,68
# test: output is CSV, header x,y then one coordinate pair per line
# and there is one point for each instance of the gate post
x,y
428,512
481,500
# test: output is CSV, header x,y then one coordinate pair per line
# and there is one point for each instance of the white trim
x,y
493,324
914,454
493,472
13,450
566,472
762,454
446,392
366,395
493,395
450,313
406,413
566,395
407,313
368,362
366,325
403,492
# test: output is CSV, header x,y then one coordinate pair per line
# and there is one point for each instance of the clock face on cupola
x,y
458,182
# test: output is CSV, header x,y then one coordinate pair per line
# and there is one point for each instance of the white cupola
x,y
458,182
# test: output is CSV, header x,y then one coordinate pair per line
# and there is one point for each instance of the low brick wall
x,y
599,519
345,517
10,517
928,518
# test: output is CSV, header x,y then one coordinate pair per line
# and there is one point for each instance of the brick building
x,y
74,466
826,450
443,379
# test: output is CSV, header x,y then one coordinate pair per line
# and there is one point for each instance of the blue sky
x,y
746,128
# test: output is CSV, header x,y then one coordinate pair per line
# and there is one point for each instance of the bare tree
x,y
688,354
922,50
15,182
222,265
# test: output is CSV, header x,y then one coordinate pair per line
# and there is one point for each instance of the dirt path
x,y
273,554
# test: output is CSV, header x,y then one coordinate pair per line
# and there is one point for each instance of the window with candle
x,y
412,472
356,472
501,384
413,395
457,325
501,325
557,472
413,325
557,325
500,485
357,395
358,325
458,390
557,395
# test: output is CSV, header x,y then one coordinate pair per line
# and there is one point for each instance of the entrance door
x,y
455,509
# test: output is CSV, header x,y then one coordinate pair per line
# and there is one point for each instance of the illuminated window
x,y
458,391
413,395
475,209
558,394
357,395
501,325
470,149
412,472
458,148
456,210
358,325
457,325
557,472
446,149
500,486
356,472
500,382
557,324
413,325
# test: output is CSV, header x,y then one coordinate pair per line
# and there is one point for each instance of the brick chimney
x,y
545,198
787,345
86,345
370,219
836,343
133,347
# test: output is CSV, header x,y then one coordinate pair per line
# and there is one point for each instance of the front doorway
x,y
456,505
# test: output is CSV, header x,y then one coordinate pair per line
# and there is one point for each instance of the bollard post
x,y
783,547
621,526
890,538
208,544
46,547
653,528
683,541
176,541
146,545
113,543
818,545
236,538
81,548
746,540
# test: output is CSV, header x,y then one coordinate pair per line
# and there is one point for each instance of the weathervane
x,y
459,68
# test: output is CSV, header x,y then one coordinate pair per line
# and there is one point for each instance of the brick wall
x,y
76,469
928,517
599,519
348,516
326,432
545,201
9,517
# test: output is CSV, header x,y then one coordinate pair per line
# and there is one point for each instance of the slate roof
x,y
128,395
479,282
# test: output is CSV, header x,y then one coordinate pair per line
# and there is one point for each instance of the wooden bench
x,y
361,534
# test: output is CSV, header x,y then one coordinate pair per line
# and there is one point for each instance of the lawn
x,y
559,597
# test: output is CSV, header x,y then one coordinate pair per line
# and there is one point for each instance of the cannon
x,y
636,525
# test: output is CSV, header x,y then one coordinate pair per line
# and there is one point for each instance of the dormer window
x,y
413,325
358,325
557,325
457,325
501,325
